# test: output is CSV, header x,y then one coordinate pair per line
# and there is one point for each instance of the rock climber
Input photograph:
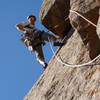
x,y
34,38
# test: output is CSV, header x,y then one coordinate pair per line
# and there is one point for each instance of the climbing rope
x,y
73,11
74,65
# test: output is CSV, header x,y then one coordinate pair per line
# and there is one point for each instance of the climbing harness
x,y
59,59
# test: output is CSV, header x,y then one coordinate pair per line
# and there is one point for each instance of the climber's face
x,y
32,20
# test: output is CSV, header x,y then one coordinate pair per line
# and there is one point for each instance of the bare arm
x,y
20,27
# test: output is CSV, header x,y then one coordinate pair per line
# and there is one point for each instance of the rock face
x,y
60,82
54,16
86,8
89,9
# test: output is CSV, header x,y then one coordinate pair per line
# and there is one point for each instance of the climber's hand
x,y
20,27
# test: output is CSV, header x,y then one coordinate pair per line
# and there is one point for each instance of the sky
x,y
19,69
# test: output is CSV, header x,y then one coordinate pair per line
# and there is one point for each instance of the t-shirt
x,y
30,28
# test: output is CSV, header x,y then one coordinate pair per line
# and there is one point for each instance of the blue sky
x,y
19,69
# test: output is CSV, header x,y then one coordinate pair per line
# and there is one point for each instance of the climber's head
x,y
31,19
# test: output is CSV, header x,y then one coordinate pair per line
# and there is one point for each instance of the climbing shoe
x,y
45,66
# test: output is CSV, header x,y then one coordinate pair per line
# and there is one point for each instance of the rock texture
x,y
89,9
60,82
54,16
86,8
98,27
